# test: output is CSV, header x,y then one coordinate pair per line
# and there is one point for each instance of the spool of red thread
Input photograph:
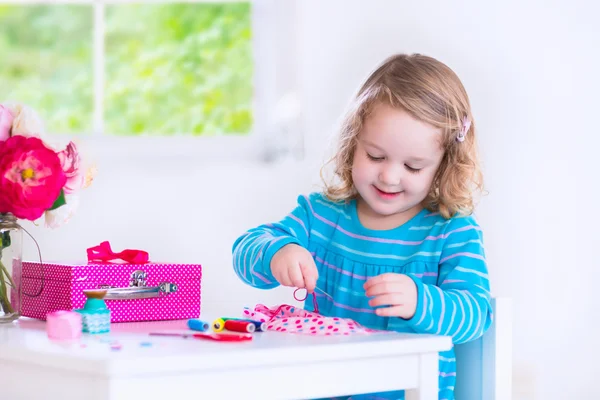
x,y
240,326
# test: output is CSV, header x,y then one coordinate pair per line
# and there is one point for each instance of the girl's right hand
x,y
294,266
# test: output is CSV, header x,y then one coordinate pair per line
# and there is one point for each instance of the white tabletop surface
x,y
131,359
26,341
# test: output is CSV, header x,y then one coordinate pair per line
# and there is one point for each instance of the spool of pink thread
x,y
63,325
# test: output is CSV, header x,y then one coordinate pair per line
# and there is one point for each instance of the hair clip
x,y
466,125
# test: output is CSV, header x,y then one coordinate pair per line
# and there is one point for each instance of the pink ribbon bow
x,y
103,253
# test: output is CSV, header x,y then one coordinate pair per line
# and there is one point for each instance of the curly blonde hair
x,y
431,92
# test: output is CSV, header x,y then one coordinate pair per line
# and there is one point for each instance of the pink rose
x,y
70,162
31,177
6,120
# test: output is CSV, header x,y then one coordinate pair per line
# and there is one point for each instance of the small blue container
x,y
95,315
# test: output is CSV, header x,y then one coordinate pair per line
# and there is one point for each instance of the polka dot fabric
x,y
291,319
64,285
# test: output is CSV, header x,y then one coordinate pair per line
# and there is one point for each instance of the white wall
x,y
531,69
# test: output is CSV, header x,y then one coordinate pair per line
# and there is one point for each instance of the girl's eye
x,y
411,169
373,158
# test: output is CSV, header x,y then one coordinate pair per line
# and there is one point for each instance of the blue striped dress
x,y
445,258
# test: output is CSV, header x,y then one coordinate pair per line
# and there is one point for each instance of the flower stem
x,y
10,281
3,289
4,296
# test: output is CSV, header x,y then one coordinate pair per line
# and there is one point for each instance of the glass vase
x,y
11,254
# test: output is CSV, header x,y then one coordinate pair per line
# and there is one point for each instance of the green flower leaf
x,y
60,201
4,240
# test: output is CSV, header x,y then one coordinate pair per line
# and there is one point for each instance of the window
x,y
120,68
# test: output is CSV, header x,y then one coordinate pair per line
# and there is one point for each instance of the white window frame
x,y
274,52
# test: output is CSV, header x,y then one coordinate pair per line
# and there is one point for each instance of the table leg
x,y
428,379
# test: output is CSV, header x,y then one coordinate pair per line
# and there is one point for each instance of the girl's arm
x,y
253,251
459,305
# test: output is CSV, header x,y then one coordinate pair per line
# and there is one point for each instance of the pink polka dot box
x,y
135,292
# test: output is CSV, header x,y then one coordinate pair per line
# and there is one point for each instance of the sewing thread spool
x,y
260,326
218,324
240,326
198,325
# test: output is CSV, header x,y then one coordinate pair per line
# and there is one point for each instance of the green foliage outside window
x,y
46,62
169,68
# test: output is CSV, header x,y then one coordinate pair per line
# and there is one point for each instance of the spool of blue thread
x,y
260,326
198,325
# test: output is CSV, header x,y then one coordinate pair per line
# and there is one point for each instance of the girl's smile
x,y
387,195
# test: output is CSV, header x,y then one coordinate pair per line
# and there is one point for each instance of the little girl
x,y
391,240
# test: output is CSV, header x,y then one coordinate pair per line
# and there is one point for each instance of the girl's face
x,y
395,161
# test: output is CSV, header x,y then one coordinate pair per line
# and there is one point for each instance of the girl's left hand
x,y
397,291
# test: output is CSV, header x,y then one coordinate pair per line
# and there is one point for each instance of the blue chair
x,y
484,366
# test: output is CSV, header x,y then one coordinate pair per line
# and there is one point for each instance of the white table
x,y
272,366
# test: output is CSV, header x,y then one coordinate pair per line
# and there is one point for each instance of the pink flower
x,y
70,162
6,120
31,177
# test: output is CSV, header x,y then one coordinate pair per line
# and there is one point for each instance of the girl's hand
x,y
294,266
397,291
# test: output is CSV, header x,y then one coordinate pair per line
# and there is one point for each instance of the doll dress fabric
x,y
292,319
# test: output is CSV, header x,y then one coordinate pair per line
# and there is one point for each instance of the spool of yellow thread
x,y
218,325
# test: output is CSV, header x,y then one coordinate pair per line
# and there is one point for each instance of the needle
x,y
324,292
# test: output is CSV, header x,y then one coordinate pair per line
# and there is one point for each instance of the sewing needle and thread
x,y
315,304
